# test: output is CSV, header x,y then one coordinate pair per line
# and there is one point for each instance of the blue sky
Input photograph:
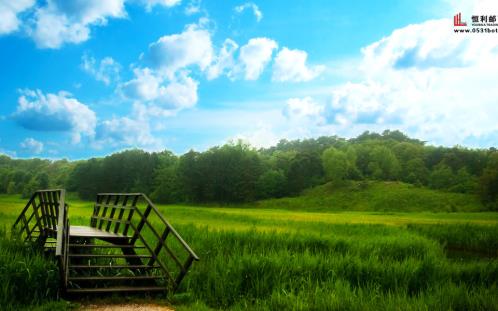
x,y
88,78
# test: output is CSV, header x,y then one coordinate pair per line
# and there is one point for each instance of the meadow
x,y
292,254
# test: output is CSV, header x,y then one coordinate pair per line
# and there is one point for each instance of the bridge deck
x,y
90,232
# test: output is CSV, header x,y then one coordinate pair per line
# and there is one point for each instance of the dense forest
x,y
236,172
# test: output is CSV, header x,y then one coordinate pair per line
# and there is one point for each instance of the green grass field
x,y
313,252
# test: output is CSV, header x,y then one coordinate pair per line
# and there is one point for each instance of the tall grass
x,y
377,196
355,267
253,259
27,277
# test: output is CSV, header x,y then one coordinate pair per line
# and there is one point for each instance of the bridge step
x,y
114,278
121,289
114,267
119,220
108,256
105,246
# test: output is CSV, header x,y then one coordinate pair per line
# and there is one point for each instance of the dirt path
x,y
125,307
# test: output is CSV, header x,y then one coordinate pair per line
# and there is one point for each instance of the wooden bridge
x,y
128,247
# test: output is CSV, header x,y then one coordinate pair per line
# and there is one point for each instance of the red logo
x,y
457,20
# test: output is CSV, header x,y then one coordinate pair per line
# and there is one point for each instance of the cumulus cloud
x,y
61,21
290,65
262,136
224,61
9,21
55,112
250,6
106,71
303,108
192,47
254,56
193,7
168,96
31,145
427,80
149,4
124,131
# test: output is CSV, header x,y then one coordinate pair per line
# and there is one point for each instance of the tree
x,y
30,188
271,184
167,187
442,177
464,182
305,171
415,172
383,164
488,183
335,165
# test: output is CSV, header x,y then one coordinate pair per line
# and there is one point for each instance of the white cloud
x,y
162,95
262,136
250,6
290,65
193,7
179,94
177,51
55,112
149,4
254,56
303,108
32,145
107,70
224,61
145,85
125,131
61,21
9,21
426,80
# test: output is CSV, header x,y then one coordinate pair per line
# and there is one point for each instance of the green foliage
x,y
359,267
235,172
335,165
26,276
305,171
442,177
488,183
383,164
377,196
264,259
271,184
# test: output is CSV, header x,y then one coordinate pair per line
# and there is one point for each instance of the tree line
x,y
237,172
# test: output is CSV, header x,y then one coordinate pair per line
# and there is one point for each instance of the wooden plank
x,y
107,256
91,232
115,278
120,216
111,216
116,289
105,246
114,267
130,215
104,212
96,209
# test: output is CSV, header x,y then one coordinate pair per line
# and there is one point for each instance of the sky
x,y
85,78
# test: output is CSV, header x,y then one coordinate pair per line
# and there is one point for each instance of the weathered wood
x,y
117,289
90,232
119,220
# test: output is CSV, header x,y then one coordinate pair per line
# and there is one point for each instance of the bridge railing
x,y
46,216
134,215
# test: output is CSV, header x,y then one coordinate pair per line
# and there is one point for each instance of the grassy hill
x,y
376,196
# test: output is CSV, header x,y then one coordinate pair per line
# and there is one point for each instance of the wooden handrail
x,y
106,217
61,223
51,222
